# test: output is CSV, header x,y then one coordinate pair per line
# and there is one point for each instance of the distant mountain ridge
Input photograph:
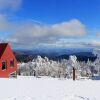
x,y
29,55
81,56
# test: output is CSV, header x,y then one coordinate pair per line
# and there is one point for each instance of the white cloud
x,y
98,34
10,4
71,43
31,34
71,28
5,25
94,43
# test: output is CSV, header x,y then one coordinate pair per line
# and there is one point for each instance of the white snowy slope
x,y
30,88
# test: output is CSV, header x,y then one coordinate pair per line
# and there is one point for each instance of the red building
x,y
8,63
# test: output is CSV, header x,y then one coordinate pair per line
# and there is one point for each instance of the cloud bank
x,y
30,33
10,4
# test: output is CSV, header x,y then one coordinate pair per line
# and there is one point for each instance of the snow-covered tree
x,y
63,68
96,63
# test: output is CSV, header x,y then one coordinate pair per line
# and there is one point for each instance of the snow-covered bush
x,y
45,67
63,68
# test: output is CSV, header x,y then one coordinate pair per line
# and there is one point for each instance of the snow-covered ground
x,y
30,88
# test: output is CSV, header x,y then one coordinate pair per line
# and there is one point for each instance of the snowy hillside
x,y
45,88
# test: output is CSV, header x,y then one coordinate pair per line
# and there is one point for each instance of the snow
x,y
46,88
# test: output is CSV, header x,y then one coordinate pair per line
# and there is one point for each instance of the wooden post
x,y
73,73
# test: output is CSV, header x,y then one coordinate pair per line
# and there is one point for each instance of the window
x,y
4,67
11,63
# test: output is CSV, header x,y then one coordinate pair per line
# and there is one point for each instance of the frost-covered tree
x,y
63,68
96,63
43,67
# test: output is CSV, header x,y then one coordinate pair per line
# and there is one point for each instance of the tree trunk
x,y
73,73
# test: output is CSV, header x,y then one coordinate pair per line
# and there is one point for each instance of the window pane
x,y
4,65
12,63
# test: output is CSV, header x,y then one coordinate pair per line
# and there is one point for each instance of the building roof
x,y
2,48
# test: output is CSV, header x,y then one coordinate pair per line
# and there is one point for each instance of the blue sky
x,y
50,23
56,11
